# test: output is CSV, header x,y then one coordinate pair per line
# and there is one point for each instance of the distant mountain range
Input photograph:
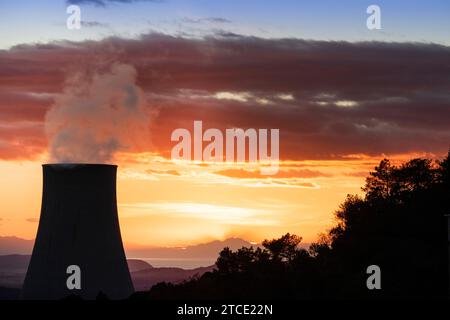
x,y
205,250
14,267
145,279
15,255
14,245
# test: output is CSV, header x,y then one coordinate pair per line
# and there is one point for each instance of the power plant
x,y
78,248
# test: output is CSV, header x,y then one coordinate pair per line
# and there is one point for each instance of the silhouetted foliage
x,y
398,225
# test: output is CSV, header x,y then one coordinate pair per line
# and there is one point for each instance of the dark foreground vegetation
x,y
399,225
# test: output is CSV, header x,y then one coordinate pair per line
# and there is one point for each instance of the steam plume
x,y
96,116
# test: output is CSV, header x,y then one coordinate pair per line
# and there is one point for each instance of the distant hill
x,y
145,279
135,265
14,267
14,245
9,293
14,263
205,250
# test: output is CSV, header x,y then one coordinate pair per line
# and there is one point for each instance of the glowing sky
x,y
341,105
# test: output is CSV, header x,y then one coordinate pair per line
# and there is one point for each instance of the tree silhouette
x,y
398,225
284,248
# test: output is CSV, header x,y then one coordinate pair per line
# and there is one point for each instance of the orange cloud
x,y
247,174
386,98
163,172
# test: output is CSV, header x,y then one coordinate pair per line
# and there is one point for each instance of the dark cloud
x,y
329,99
103,3
203,20
217,20
93,24
226,34
32,220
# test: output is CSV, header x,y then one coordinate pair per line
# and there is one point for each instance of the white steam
x,y
96,116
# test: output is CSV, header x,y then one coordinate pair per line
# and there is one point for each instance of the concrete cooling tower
x,y
78,227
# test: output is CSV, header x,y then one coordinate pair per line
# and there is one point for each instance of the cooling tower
x,y
78,226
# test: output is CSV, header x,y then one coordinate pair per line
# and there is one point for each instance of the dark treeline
x,y
399,225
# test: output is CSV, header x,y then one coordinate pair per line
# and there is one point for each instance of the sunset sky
x,y
344,97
